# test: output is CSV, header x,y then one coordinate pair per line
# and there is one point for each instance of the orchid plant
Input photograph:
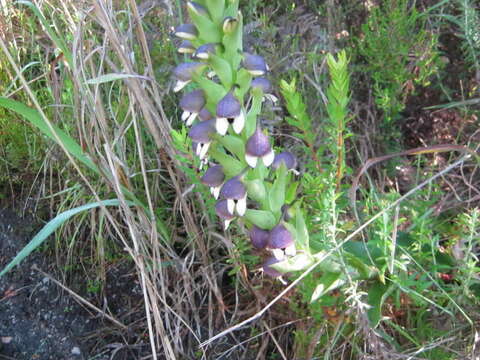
x,y
225,89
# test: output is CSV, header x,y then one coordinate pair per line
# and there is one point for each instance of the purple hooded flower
x,y
266,87
200,134
192,103
259,237
287,158
184,72
186,32
258,146
229,111
255,64
221,208
203,52
236,195
214,178
281,242
186,47
267,269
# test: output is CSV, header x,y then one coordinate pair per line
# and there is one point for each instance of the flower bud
x,y
229,25
186,32
255,64
184,72
214,178
192,103
229,112
259,237
201,133
236,195
221,208
258,146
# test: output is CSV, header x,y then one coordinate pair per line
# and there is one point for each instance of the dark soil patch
x,y
39,320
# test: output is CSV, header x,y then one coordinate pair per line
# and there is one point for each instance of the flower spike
x,y
203,52
186,47
266,87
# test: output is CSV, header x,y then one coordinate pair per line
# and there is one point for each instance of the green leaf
x,y
216,9
291,194
328,282
233,144
223,69
277,192
209,32
231,166
215,92
233,42
376,296
256,191
251,121
298,262
50,227
303,239
112,77
244,79
35,119
263,219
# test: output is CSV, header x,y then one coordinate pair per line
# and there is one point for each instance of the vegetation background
x,y
92,147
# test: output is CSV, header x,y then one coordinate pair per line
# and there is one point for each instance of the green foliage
x,y
398,53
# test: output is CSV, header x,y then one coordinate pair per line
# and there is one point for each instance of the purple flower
x,y
267,269
192,103
214,178
200,134
184,72
281,242
286,158
186,32
259,237
203,52
186,47
266,87
258,146
221,208
236,195
255,64
229,111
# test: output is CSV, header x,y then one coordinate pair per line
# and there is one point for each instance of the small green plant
x,y
399,54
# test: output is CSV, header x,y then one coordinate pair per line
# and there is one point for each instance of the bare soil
x,y
40,321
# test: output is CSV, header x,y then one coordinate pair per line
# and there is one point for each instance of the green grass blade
x,y
35,119
50,227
